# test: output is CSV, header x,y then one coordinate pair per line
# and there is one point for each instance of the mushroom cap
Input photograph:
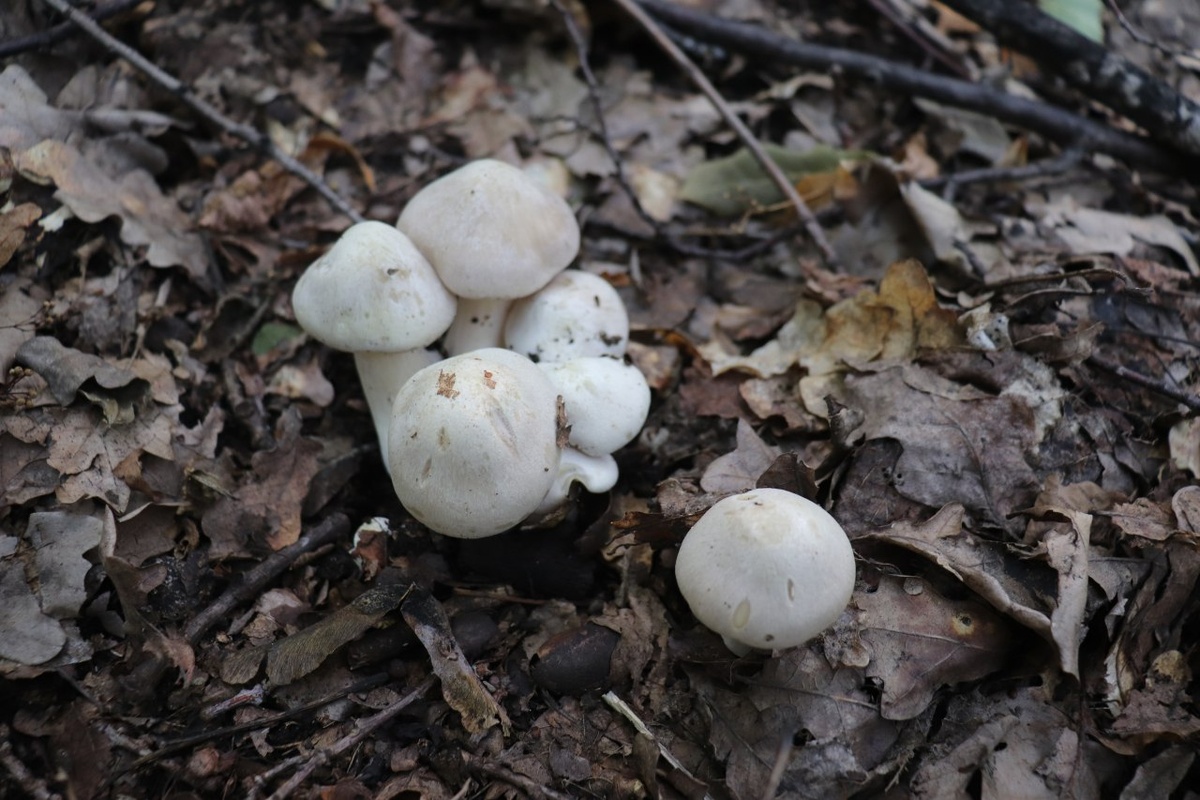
x,y
473,442
766,569
373,290
606,401
491,231
576,314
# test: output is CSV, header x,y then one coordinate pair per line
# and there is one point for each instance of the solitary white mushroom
x,y
576,314
766,569
493,234
473,443
375,295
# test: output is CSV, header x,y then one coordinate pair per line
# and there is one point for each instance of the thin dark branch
x,y
251,584
36,41
781,181
1153,384
1091,68
246,133
363,728
1056,124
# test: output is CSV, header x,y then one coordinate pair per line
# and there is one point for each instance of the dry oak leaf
x,y
1001,747
893,323
960,444
148,218
798,693
87,451
1019,588
266,509
919,641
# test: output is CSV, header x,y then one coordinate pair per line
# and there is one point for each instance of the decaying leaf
x,y
737,184
460,685
919,640
295,656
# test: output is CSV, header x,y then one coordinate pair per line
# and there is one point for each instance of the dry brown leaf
x,y
919,641
148,218
738,470
1011,585
961,445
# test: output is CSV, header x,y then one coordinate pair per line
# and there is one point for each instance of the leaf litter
x,y
1025,517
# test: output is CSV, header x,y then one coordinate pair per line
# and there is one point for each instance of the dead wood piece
x,y
1054,123
811,225
35,41
28,782
329,530
362,730
1092,68
246,133
527,785
1153,384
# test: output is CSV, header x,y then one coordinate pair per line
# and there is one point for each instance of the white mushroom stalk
x,y
473,445
766,569
478,324
374,293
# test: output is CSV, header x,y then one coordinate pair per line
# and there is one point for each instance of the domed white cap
x,y
606,401
766,569
373,290
576,314
473,442
491,231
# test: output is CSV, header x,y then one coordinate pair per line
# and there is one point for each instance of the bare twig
x,y
362,730
1057,165
527,785
589,77
734,121
252,582
33,785
1188,399
35,41
1092,68
621,707
1054,123
246,133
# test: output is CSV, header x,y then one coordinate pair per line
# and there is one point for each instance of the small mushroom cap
x,y
606,401
576,314
473,442
766,569
374,291
491,231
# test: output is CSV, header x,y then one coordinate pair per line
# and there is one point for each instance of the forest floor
x,y
979,353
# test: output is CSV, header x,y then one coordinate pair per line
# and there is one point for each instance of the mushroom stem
x,y
479,323
382,375
597,474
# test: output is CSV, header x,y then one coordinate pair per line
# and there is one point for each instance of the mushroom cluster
x,y
766,569
529,392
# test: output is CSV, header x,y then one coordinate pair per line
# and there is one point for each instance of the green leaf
x,y
1082,15
271,334
733,185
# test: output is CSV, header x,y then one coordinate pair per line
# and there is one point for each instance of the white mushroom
x,y
491,231
375,295
597,474
576,314
478,324
473,443
766,569
606,401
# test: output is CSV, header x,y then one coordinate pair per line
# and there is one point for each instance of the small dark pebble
x,y
575,661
